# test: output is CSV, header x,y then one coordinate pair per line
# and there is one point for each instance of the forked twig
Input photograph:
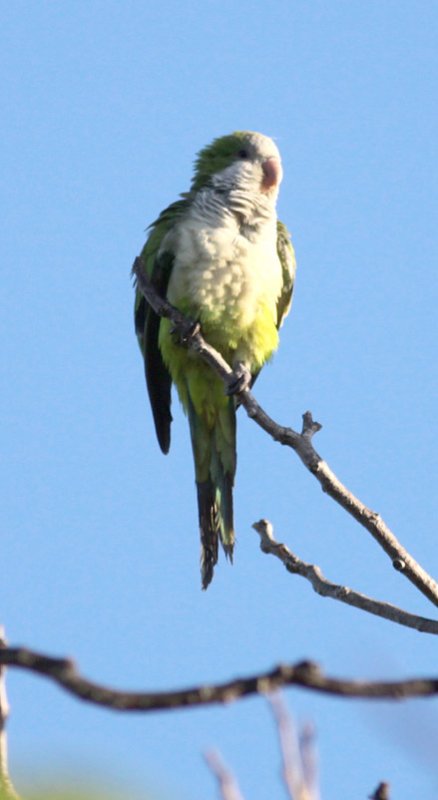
x,y
228,786
299,771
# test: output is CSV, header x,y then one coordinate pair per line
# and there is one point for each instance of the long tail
x,y
214,451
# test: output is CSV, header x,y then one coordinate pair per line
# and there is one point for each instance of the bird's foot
x,y
240,380
185,331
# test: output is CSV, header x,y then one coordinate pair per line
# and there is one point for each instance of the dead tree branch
x,y
300,442
298,756
309,759
306,675
326,588
228,786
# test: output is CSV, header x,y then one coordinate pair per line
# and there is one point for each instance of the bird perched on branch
x,y
221,256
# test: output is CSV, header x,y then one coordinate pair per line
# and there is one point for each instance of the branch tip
x,y
228,786
265,529
310,426
381,793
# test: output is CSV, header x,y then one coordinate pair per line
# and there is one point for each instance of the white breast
x,y
222,271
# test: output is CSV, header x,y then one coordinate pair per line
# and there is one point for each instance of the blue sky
x,y
104,107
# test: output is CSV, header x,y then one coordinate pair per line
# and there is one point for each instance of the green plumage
x,y
210,254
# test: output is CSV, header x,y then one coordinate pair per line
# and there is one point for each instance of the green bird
x,y
221,256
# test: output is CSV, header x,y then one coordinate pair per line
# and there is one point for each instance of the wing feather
x,y
286,255
158,266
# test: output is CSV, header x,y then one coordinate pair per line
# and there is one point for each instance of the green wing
x,y
158,267
286,255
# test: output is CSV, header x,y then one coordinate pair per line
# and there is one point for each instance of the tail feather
x,y
209,530
224,482
214,450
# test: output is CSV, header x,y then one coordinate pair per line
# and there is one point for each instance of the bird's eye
x,y
243,154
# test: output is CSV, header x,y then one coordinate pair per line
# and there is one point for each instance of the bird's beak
x,y
272,173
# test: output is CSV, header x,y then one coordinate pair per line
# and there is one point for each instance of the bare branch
x,y
291,764
299,776
7,790
309,759
402,561
305,674
326,588
228,786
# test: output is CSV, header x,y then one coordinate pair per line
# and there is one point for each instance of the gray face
x,y
256,169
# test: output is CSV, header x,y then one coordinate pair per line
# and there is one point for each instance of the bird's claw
x,y
241,380
182,333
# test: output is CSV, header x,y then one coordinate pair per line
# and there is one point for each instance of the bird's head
x,y
243,160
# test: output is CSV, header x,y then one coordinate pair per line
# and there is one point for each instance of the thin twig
x,y
326,588
309,759
299,784
291,765
305,674
228,786
402,561
7,790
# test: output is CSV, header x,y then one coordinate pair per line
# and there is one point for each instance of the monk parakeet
x,y
220,255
